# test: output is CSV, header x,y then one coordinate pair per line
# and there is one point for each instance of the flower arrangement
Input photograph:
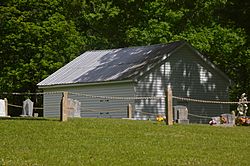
x,y
242,121
159,118
242,108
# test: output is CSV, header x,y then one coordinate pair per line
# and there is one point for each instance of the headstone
x,y
2,108
27,108
74,108
181,114
229,119
36,115
223,120
216,120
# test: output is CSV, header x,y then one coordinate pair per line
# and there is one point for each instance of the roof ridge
x,y
143,46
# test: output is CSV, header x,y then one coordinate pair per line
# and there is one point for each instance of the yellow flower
x,y
159,118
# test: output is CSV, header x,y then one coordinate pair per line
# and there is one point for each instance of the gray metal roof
x,y
109,65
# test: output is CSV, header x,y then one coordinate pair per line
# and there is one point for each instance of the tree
x,y
36,40
41,36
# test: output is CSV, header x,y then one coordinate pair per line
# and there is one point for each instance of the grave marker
x,y
27,108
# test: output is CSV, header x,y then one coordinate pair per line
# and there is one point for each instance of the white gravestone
x,y
27,108
74,108
2,108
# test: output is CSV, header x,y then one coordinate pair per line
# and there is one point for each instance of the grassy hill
x,y
120,142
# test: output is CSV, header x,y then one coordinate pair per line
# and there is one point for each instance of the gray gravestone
x,y
230,118
181,114
27,108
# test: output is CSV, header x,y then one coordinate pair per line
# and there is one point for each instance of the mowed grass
x,y
120,142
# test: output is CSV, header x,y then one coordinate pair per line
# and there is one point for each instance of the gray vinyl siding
x,y
51,104
152,84
189,76
92,107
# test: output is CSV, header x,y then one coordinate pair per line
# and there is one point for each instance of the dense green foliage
x,y
120,142
38,37
36,40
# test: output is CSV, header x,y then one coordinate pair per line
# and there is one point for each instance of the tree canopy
x,y
40,36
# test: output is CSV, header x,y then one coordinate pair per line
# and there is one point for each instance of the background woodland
x,y
38,37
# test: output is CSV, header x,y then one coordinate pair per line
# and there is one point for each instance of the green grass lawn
x,y
120,142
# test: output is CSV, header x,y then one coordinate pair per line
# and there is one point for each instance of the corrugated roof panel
x,y
80,65
107,65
